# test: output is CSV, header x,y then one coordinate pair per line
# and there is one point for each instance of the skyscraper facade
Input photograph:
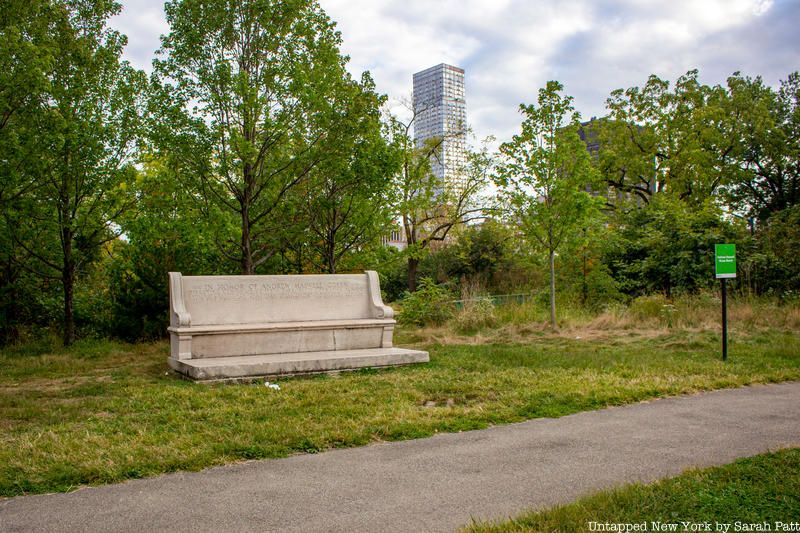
x,y
441,112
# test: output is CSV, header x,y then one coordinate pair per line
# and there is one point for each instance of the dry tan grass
x,y
793,319
50,385
695,314
522,333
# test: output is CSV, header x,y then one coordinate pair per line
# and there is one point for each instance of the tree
x,y
27,48
346,200
771,263
544,174
86,125
767,125
482,251
256,79
658,139
666,246
168,232
736,145
428,210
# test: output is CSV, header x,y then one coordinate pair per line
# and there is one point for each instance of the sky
x,y
511,48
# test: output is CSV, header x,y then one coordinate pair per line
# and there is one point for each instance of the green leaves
x,y
346,203
545,170
545,173
259,83
428,208
767,148
71,136
697,141
666,246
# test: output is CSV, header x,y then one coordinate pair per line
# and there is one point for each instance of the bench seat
x,y
211,329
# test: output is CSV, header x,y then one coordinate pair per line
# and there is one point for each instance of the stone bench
x,y
229,327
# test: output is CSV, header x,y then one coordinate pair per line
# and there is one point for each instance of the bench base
x,y
254,366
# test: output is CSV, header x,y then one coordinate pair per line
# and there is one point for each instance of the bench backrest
x,y
207,300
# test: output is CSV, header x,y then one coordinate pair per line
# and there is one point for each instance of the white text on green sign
x,y
725,260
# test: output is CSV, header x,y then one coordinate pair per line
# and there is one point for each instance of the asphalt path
x,y
439,483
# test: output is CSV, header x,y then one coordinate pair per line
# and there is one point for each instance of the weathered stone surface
x,y
239,326
220,368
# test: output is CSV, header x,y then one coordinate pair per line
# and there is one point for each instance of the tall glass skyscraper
x,y
441,112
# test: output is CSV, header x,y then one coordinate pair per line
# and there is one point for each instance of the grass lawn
x,y
102,412
743,495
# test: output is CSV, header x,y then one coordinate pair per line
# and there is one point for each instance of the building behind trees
x,y
441,114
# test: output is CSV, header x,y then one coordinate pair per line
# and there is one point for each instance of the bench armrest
x,y
382,311
178,315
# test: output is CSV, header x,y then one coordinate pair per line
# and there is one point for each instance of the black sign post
x,y
724,268
724,319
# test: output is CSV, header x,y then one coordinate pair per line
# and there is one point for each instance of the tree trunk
x,y
553,289
298,259
247,250
330,251
68,282
10,326
413,263
330,246
585,287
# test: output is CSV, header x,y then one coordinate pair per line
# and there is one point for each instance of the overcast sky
x,y
510,48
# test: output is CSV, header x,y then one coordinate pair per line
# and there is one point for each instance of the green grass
x,y
102,412
765,488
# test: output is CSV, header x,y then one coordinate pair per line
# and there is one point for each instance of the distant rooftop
x,y
439,67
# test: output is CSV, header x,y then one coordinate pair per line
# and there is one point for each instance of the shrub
x,y
476,314
429,305
648,307
667,246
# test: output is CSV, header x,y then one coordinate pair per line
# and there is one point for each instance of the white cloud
x,y
761,6
143,22
510,48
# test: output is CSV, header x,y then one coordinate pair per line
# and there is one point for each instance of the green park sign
x,y
725,260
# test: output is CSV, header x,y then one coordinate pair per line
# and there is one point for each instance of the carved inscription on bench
x,y
257,299
276,290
